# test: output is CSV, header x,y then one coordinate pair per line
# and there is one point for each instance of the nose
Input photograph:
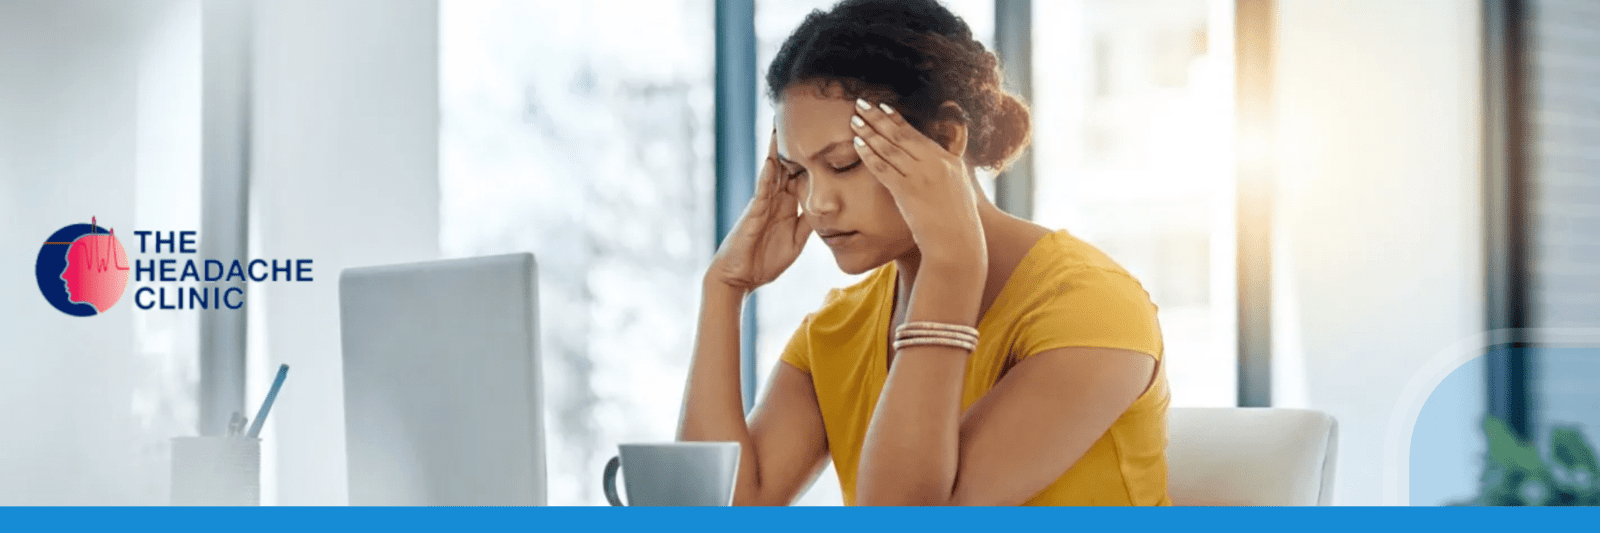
x,y
822,198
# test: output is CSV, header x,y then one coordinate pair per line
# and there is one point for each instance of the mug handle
x,y
609,481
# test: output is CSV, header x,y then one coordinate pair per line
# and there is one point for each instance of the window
x,y
586,138
1564,271
1134,103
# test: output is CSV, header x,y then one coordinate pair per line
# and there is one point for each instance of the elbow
x,y
899,500
755,502
747,498
905,494
758,498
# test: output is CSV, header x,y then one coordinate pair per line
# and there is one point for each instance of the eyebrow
x,y
824,151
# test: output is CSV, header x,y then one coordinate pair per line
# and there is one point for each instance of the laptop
x,y
442,385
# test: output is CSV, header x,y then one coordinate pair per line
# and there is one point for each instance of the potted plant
x,y
1516,473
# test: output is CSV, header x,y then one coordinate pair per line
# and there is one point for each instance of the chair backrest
x,y
1250,456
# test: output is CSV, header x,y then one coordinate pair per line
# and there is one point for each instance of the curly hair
x,y
915,55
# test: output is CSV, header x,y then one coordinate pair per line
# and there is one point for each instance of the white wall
x,y
1379,225
345,172
98,117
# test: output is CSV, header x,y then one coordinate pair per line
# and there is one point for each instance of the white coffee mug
x,y
674,473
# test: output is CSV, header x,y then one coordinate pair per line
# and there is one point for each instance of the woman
x,y
883,111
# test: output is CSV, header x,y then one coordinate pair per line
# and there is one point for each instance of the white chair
x,y
1250,456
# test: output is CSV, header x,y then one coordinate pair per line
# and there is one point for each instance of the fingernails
x,y
886,109
860,142
863,104
856,120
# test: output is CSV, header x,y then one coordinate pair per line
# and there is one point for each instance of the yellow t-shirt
x,y
1064,293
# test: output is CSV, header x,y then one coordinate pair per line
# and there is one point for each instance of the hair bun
x,y
1010,130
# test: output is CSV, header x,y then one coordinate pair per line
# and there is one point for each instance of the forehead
x,y
808,120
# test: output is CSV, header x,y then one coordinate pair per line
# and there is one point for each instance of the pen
x,y
261,416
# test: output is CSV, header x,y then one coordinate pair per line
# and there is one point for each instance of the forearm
x,y
713,403
910,454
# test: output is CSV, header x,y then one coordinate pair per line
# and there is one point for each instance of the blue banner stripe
x,y
808,519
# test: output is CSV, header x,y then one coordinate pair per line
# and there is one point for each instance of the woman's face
x,y
837,193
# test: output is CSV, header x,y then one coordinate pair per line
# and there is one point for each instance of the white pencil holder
x,y
216,471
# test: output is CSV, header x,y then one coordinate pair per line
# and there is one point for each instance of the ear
x,y
950,128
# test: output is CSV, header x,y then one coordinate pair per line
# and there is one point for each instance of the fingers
x,y
772,146
877,164
802,230
781,201
766,181
883,120
769,181
887,144
886,147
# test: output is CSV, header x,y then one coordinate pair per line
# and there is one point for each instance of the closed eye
x,y
847,168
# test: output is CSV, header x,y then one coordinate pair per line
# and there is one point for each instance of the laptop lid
x,y
442,385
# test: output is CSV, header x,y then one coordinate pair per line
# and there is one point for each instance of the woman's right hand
x,y
768,236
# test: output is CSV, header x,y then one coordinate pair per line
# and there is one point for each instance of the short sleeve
x,y
1094,308
798,351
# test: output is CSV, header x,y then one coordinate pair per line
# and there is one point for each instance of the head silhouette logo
x,y
82,269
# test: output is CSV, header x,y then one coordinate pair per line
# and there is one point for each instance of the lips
x,y
833,238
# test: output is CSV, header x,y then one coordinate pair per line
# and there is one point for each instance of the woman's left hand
x,y
929,183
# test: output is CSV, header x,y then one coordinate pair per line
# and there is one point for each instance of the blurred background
x,y
1336,205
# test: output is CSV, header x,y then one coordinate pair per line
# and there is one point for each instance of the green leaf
x,y
1505,449
1499,497
1572,450
1590,498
